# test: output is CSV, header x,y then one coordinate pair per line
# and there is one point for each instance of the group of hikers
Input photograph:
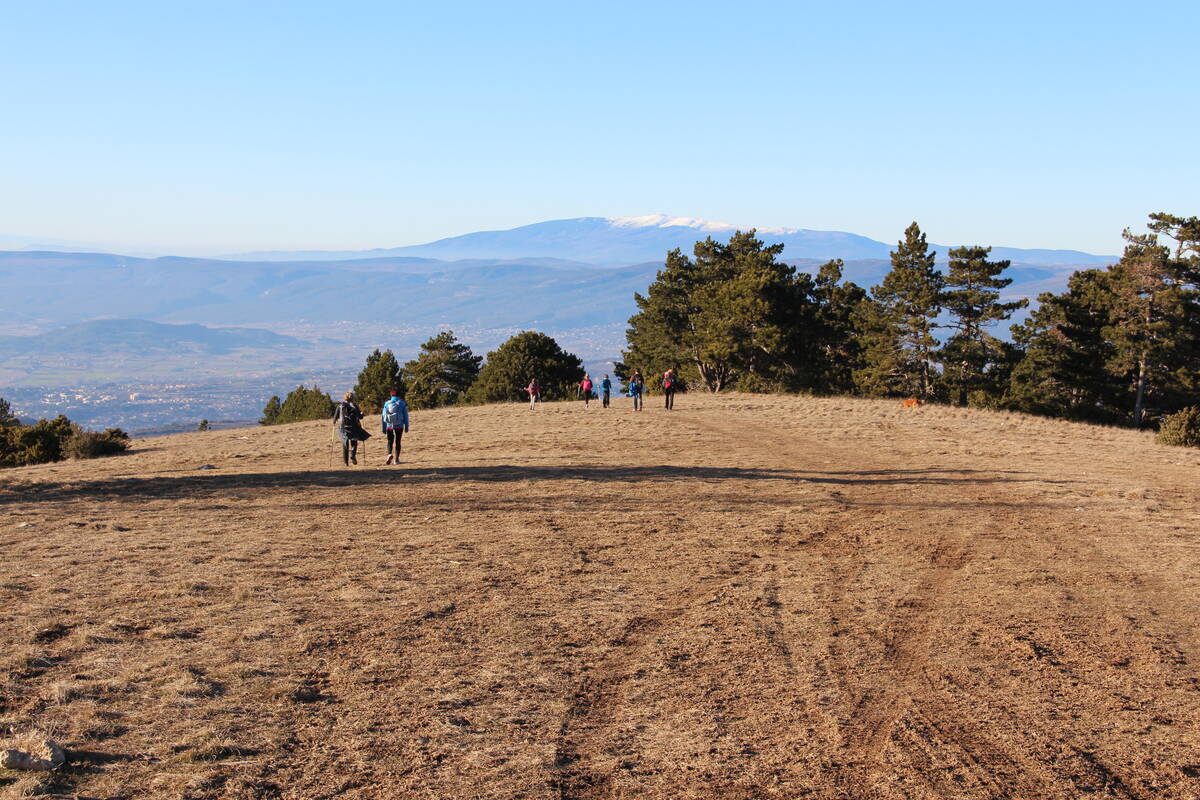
x,y
347,422
348,417
635,388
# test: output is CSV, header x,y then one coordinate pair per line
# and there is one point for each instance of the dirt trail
x,y
746,597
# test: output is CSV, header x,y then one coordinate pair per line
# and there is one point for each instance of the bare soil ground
x,y
748,597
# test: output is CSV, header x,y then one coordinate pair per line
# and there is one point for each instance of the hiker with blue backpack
x,y
606,389
394,418
636,387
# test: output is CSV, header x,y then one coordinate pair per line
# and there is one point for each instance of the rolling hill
x,y
141,337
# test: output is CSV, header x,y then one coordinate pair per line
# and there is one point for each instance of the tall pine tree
x,y
832,341
898,328
1153,325
973,360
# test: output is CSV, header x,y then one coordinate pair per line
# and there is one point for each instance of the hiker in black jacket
x,y
348,420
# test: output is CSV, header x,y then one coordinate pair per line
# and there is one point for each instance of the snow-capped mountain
x,y
619,241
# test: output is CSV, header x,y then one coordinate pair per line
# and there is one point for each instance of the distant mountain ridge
x,y
142,337
620,241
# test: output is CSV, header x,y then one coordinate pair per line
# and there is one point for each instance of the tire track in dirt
x,y
880,708
593,703
879,697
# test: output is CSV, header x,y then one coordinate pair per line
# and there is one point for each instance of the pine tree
x,y
833,340
376,380
974,360
1063,371
1185,232
897,336
528,355
729,315
7,417
662,335
1121,344
1153,325
442,373
270,411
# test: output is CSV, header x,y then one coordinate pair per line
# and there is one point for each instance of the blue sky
x,y
220,126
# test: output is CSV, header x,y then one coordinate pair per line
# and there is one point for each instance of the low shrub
x,y
1181,429
34,444
90,444
54,440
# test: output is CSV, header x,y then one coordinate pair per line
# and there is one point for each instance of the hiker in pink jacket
x,y
585,388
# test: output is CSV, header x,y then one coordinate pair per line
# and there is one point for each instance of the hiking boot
x,y
389,461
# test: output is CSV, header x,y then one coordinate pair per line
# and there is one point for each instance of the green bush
x,y
41,443
90,444
1181,429
54,440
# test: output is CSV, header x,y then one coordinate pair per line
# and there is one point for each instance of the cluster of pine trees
x,y
1120,345
445,372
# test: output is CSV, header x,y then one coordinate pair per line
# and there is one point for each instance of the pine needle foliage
x,y
442,373
528,355
898,341
376,380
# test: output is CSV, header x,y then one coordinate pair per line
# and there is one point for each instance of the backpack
x,y
391,413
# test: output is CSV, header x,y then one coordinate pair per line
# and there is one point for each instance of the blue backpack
x,y
391,413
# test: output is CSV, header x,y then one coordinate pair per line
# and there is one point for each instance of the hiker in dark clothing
x,y
669,384
348,420
606,388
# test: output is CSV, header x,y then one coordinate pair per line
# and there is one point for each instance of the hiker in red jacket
x,y
535,393
670,382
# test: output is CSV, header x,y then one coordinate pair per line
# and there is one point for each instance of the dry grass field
x,y
748,597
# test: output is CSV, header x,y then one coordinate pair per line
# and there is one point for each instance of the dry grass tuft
x,y
193,684
64,691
